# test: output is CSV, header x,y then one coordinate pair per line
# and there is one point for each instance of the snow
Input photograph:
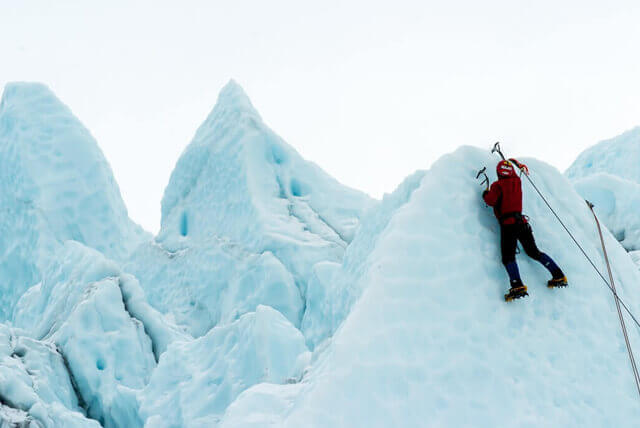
x,y
55,185
431,342
195,381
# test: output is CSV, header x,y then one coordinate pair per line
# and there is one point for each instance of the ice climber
x,y
505,196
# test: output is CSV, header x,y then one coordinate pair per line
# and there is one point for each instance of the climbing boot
x,y
560,281
517,291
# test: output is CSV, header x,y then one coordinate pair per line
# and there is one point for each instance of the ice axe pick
x,y
485,181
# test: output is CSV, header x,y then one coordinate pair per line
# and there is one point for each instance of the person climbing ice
x,y
505,196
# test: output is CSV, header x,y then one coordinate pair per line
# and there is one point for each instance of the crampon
x,y
557,282
516,293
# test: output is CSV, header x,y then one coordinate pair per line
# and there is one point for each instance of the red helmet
x,y
505,169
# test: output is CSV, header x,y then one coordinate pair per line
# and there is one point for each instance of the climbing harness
x,y
618,300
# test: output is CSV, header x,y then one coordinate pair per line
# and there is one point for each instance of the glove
x,y
520,166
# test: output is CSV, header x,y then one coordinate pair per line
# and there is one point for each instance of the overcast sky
x,y
369,90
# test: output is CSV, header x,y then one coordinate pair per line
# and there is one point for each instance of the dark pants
x,y
510,234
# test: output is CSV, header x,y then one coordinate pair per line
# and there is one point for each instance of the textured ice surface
x,y
35,387
244,219
608,174
404,313
431,342
617,156
333,288
54,185
214,281
617,202
107,333
239,180
73,274
195,381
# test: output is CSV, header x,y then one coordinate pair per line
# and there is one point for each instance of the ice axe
x,y
496,149
485,181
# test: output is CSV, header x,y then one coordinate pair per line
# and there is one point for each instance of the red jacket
x,y
505,196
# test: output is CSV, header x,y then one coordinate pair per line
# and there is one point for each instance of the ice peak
x,y
233,98
18,88
23,97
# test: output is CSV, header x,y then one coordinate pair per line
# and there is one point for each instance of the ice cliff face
x,y
55,185
239,262
274,296
430,341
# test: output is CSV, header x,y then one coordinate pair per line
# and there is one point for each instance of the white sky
x,y
369,90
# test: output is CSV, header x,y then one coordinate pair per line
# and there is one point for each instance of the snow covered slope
x,y
244,220
55,185
431,342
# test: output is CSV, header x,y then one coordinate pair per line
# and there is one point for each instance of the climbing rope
x,y
496,149
613,285
613,290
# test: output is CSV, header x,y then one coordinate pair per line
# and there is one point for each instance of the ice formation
x,y
196,381
244,220
35,386
618,156
55,185
617,202
275,296
608,175
430,342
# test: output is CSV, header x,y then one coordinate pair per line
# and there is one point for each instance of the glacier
x,y
430,341
244,220
608,175
55,186
275,296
